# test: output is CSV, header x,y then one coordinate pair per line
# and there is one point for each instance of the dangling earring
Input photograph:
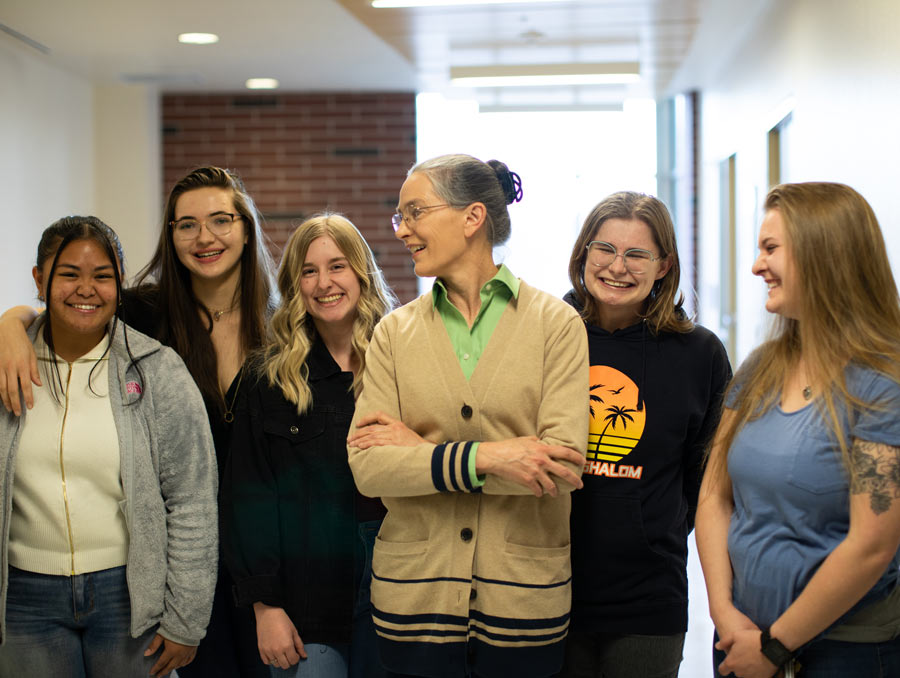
x,y
654,291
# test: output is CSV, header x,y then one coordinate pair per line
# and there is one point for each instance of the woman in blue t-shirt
x,y
798,524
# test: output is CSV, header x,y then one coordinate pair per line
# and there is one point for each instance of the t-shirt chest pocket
x,y
817,466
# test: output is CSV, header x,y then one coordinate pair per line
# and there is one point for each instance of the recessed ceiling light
x,y
261,83
531,75
386,4
198,38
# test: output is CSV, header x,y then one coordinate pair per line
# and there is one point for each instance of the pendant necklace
x,y
807,392
218,314
229,409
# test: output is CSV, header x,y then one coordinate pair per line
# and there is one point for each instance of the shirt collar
x,y
504,278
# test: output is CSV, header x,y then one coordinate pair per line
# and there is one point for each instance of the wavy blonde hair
x,y
849,309
292,331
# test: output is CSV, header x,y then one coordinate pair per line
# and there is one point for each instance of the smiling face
x,y
437,239
82,296
622,295
328,285
775,266
208,256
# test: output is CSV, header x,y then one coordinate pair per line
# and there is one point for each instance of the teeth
x,y
204,255
84,307
772,284
616,283
417,248
329,299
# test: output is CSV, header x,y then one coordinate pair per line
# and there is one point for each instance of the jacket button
x,y
473,594
465,534
466,412
295,430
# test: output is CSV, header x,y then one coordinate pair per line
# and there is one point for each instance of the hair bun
x,y
510,182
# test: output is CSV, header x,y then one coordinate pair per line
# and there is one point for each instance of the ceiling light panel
x,y
198,38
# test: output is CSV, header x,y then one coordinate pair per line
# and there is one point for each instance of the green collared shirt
x,y
469,343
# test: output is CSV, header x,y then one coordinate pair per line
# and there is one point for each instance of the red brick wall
x,y
299,154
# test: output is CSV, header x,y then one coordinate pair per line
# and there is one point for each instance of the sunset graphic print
x,y
616,423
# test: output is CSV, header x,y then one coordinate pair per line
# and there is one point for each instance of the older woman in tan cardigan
x,y
471,427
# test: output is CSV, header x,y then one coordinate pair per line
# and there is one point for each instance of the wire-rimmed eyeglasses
x,y
413,214
636,260
218,224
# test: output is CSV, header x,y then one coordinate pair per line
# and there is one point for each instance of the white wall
x,y
834,64
127,167
46,160
68,147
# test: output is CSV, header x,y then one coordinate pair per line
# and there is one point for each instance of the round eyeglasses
x,y
218,224
637,261
413,214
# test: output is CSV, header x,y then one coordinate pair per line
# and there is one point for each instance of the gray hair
x,y
459,180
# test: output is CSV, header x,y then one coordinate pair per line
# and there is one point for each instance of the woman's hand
x,y
731,625
279,643
174,655
531,463
744,656
380,429
18,364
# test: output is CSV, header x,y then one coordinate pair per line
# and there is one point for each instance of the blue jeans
x,y
72,627
322,661
609,655
840,659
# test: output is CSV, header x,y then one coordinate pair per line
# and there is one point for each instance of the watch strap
x,y
773,649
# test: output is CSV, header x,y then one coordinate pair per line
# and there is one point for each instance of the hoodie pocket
x,y
610,549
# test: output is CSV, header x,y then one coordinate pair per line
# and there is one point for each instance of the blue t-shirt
x,y
791,496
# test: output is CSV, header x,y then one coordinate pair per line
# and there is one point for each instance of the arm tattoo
x,y
875,470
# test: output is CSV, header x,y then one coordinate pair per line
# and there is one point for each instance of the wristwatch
x,y
773,649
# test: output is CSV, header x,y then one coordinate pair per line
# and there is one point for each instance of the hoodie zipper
x,y
62,470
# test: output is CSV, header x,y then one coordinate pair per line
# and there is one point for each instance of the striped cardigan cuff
x,y
450,467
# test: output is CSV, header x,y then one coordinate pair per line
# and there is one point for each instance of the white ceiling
x,y
346,45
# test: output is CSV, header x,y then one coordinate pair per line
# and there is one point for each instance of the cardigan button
x,y
465,534
466,412
295,430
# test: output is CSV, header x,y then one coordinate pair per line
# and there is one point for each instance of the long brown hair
x,y
665,306
181,326
292,330
849,310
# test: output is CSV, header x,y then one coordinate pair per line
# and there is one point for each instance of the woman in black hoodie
x,y
656,386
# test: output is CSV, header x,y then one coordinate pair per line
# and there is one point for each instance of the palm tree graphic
x,y
615,414
595,398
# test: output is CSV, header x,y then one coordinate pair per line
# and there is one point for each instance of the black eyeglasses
x,y
413,214
188,228
636,260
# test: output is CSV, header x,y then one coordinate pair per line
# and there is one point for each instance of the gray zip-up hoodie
x,y
169,477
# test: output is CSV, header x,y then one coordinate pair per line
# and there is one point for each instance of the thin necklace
x,y
218,314
229,409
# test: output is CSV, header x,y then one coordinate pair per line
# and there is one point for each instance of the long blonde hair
x,y
849,309
292,331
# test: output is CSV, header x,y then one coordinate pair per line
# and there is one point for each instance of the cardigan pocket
x,y
537,565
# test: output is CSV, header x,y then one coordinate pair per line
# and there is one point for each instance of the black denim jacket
x,y
290,509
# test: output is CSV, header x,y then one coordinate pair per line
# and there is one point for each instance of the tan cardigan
x,y
472,580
